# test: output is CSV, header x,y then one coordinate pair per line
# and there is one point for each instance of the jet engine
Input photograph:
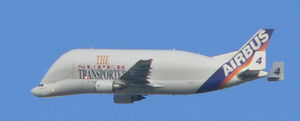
x,y
108,86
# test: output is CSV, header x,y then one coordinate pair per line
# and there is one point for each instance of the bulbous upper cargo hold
x,y
61,69
106,64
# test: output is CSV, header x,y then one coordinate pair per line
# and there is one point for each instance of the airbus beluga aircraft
x,y
132,74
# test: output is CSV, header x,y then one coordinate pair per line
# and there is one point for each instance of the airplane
x,y
130,75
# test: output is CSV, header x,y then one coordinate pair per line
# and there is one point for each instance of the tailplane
x,y
277,72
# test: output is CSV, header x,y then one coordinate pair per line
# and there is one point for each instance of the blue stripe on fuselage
x,y
213,82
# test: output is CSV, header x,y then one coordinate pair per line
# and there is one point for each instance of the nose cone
x,y
40,92
35,91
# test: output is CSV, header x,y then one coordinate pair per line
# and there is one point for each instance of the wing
x,y
125,99
138,73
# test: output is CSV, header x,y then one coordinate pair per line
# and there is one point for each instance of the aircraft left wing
x,y
138,73
125,99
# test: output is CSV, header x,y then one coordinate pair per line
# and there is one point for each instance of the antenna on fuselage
x,y
91,44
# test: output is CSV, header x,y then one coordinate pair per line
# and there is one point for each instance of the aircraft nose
x,y
34,91
40,92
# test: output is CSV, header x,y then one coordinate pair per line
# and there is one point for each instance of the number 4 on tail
x,y
259,60
277,71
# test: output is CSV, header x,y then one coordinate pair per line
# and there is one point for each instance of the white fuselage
x,y
173,71
132,74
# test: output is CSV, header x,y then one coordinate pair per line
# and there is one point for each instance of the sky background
x,y
34,33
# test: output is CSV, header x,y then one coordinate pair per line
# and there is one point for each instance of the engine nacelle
x,y
107,86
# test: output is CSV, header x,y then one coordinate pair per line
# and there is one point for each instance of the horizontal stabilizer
x,y
252,74
277,72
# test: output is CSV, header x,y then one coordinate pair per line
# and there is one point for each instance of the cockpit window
x,y
40,85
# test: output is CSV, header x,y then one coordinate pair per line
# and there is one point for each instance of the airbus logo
x,y
246,52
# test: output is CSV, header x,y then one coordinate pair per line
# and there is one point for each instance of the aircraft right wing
x,y
125,99
138,73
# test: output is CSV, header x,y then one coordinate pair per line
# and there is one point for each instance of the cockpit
x,y
41,90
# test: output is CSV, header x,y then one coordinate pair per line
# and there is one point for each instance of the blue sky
x,y
35,33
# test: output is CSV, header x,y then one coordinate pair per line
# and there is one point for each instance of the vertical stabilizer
x,y
242,60
258,62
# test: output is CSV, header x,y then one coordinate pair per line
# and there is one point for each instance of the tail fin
x,y
253,49
258,62
240,61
